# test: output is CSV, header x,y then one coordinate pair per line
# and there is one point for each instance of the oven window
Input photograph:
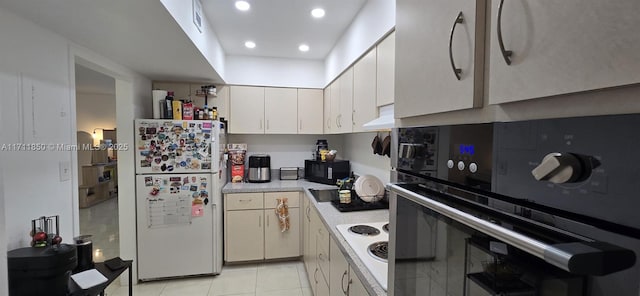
x,y
436,256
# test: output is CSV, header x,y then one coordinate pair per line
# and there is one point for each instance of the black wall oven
x,y
546,207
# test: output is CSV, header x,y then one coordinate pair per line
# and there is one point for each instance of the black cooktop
x,y
357,204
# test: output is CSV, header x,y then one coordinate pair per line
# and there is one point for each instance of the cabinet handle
x,y
459,20
315,275
267,123
259,221
328,123
320,257
345,291
260,123
506,54
337,123
244,200
268,218
308,213
300,124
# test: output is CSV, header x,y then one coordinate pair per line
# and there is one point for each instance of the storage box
x,y
237,173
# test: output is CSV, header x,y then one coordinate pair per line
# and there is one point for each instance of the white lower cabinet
x,y
343,281
252,230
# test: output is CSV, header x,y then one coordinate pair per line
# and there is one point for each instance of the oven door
x,y
449,248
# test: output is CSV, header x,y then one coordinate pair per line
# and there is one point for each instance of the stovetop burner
x,y
364,230
379,250
386,228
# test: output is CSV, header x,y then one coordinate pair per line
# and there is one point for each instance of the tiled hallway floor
x,y
268,279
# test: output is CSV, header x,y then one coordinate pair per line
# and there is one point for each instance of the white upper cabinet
x,y
280,110
345,116
439,56
327,110
310,111
334,88
559,47
247,110
385,72
364,91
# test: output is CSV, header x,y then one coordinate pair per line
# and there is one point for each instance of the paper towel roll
x,y
158,95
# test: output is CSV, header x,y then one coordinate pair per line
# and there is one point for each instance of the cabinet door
x,y
364,91
345,117
356,288
385,72
281,110
244,236
335,106
425,79
278,244
339,271
327,110
322,288
558,49
247,110
309,248
310,111
222,102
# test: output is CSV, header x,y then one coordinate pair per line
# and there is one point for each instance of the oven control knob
x,y
461,165
473,167
559,168
450,164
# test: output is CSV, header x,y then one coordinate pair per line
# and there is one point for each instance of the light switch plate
x,y
65,170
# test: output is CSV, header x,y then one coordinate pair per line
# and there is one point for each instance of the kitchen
x,y
564,103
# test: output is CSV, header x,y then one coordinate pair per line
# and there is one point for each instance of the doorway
x,y
97,163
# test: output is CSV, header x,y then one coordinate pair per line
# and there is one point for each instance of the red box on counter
x,y
237,173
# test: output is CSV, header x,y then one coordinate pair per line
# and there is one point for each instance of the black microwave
x,y
326,172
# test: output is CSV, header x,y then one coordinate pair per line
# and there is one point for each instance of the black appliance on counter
x,y
41,271
358,204
544,207
326,172
259,168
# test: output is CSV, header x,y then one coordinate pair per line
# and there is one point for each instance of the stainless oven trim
x,y
525,243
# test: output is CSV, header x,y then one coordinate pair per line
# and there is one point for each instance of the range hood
x,y
384,121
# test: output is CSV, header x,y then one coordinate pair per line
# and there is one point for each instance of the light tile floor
x,y
264,279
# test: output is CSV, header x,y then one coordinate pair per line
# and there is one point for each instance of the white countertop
x,y
330,216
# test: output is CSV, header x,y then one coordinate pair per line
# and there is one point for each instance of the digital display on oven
x,y
466,149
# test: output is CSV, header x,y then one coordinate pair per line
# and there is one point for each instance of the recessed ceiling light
x,y
317,13
243,5
250,44
303,47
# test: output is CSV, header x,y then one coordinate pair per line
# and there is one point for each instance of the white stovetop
x,y
360,243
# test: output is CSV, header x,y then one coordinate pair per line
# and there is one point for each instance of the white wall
x,y
206,42
287,150
375,20
357,148
95,111
262,71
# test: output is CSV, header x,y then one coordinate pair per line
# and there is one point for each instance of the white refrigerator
x,y
178,197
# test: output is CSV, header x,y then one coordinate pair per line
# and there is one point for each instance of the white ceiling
x,y
139,34
278,27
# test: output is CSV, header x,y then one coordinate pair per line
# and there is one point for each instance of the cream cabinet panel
x,y
356,288
426,81
322,287
364,91
280,110
310,111
327,110
339,270
558,49
222,102
309,241
280,244
385,72
335,106
345,116
271,199
244,201
247,110
244,235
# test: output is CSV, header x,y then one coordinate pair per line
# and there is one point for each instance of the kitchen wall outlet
x,y
65,170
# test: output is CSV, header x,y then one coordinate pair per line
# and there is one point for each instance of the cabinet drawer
x,y
271,199
244,201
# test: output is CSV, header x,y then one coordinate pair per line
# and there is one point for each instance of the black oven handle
x,y
588,258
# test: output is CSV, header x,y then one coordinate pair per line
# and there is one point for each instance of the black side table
x,y
111,275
